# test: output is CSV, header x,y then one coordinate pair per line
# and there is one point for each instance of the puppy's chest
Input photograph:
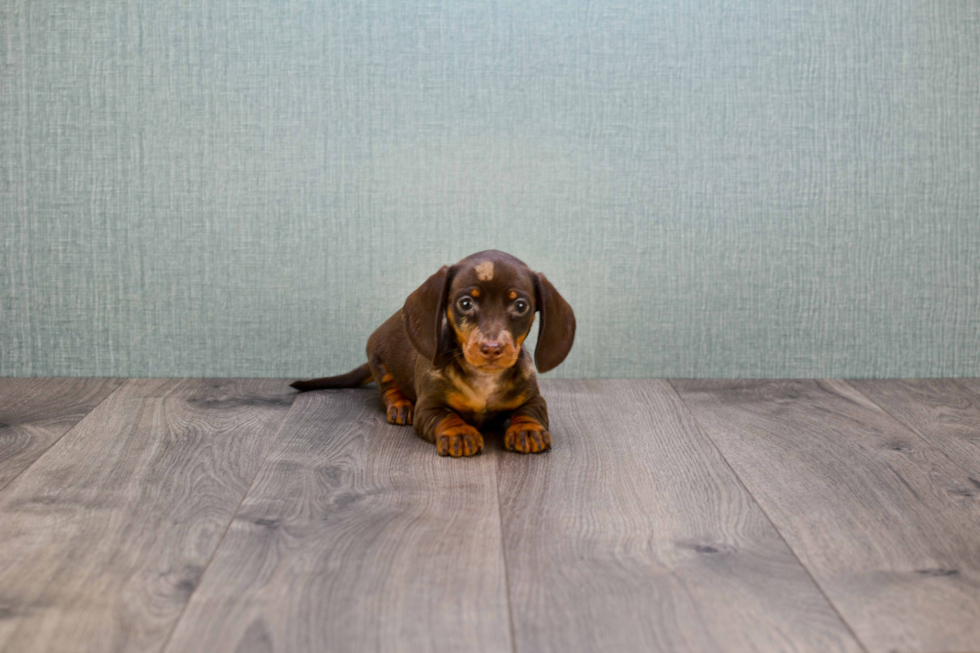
x,y
482,394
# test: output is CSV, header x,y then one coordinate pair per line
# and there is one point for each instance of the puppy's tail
x,y
353,379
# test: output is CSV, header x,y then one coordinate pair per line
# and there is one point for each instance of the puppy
x,y
453,358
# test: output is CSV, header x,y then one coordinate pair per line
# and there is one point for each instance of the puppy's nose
x,y
491,348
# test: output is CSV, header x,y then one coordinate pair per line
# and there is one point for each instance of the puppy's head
x,y
485,306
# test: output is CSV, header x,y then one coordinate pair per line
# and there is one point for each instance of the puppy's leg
x,y
397,405
528,430
447,430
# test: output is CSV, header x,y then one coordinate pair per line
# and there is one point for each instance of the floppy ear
x,y
425,315
557,330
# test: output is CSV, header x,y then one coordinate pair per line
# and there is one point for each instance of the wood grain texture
x,y
875,513
633,534
971,384
942,412
35,413
106,536
356,537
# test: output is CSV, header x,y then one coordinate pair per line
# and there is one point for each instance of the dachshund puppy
x,y
453,357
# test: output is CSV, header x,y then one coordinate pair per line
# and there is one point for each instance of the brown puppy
x,y
453,357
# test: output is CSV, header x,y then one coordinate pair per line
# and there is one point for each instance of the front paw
x,y
459,441
398,407
400,412
526,435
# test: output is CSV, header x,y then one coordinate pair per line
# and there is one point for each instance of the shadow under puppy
x,y
453,357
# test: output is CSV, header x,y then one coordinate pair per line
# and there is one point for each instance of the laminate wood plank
x,y
941,411
874,512
356,536
35,413
103,539
633,534
971,384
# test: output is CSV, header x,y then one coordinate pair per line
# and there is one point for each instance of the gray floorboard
x,y
187,515
874,512
942,412
356,537
35,413
633,534
105,537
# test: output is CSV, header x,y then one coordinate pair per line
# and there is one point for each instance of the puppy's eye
x,y
465,304
520,306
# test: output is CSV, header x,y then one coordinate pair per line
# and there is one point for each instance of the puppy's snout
x,y
492,348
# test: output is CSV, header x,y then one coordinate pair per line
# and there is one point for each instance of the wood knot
x,y
937,571
266,523
708,548
898,445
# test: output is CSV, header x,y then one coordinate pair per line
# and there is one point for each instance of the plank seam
x,y
898,419
738,478
65,434
503,555
923,438
183,612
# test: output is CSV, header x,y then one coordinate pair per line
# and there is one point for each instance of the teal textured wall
x,y
720,188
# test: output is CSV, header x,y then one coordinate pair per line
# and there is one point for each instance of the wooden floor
x,y
232,515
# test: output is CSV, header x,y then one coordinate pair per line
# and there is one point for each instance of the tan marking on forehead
x,y
484,271
512,295
475,292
